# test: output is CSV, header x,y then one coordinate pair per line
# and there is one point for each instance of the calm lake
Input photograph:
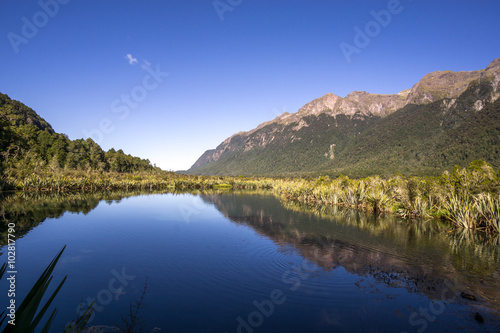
x,y
247,262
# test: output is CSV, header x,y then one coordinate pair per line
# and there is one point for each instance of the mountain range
x,y
447,118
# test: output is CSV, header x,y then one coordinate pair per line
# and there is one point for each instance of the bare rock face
x,y
371,104
356,102
438,85
447,84
432,87
492,72
326,102
494,66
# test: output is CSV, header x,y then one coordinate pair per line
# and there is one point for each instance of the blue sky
x,y
215,77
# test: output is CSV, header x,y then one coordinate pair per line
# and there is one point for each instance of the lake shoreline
x,y
466,198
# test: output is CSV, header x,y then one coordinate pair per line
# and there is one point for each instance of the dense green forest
x,y
29,144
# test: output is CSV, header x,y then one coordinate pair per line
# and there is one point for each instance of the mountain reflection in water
x,y
422,256
356,259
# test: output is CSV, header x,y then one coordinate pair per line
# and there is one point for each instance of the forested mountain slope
x,y
29,143
446,119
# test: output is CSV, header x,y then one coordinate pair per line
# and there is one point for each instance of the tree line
x,y
29,144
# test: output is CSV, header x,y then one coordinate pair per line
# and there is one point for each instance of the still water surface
x,y
246,262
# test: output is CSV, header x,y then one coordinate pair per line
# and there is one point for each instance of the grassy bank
x,y
98,181
477,207
465,197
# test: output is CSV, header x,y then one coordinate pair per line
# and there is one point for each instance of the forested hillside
x,y
28,143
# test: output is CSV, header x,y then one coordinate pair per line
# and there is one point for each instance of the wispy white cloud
x,y
131,60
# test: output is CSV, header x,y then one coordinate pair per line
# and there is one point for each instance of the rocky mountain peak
x,y
357,101
326,102
404,93
357,95
440,84
447,84
494,66
432,87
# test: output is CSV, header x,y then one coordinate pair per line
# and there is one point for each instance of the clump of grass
x,y
463,211
379,200
488,208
